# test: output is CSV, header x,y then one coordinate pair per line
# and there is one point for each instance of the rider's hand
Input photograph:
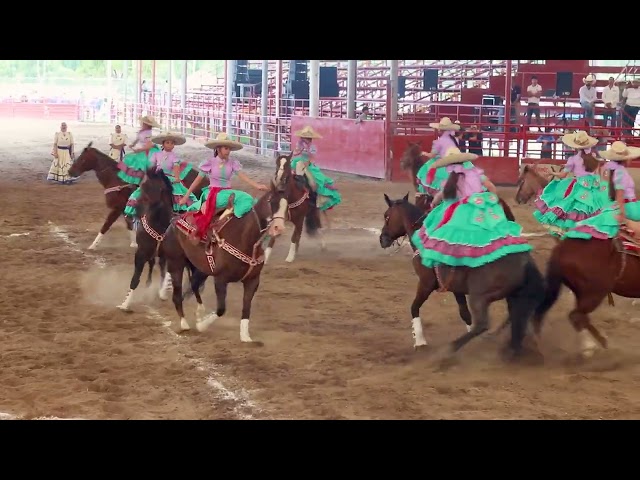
x,y
183,200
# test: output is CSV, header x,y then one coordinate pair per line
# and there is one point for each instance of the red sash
x,y
570,188
450,210
203,220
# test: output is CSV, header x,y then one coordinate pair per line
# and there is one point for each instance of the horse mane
x,y
413,212
100,154
154,174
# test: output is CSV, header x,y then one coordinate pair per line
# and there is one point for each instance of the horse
x,y
514,277
531,183
414,160
592,269
230,252
300,211
155,210
116,191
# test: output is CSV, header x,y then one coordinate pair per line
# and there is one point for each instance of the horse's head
x,y
86,161
272,208
156,190
530,183
394,221
412,156
283,170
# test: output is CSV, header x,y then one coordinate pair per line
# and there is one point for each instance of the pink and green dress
x,y
134,165
604,225
567,201
220,172
165,161
470,230
325,185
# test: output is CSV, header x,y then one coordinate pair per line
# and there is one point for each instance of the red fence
x,y
347,146
55,111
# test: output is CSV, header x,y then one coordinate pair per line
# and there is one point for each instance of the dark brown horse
x,y
301,210
116,191
514,277
592,270
155,210
414,160
231,252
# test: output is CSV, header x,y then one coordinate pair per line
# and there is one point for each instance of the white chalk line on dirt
x,y
244,407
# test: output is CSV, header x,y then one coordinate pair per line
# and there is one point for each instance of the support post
x,y
264,105
183,96
352,83
393,103
314,89
169,94
507,107
231,66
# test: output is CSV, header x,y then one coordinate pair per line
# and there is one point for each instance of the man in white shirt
x,y
534,91
611,100
588,97
630,105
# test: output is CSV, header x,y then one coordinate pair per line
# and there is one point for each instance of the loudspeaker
x,y
402,85
298,89
255,79
298,70
241,73
430,79
564,84
329,82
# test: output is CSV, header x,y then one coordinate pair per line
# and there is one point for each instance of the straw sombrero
x,y
589,78
223,140
308,132
579,140
445,124
177,138
453,155
619,151
149,120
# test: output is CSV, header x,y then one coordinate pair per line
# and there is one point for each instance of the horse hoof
x,y
124,308
421,347
162,293
133,245
92,247
184,325
254,343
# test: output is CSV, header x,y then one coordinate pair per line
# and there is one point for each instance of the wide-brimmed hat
x,y
308,132
177,138
619,151
445,123
579,140
149,120
589,78
453,155
223,140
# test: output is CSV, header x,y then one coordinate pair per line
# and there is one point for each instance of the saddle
x,y
186,224
303,181
628,238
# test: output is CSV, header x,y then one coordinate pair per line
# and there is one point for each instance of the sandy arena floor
x,y
335,325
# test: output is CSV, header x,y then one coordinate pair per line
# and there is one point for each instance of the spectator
x,y
611,100
516,93
630,105
364,115
460,136
604,136
547,140
474,137
588,97
534,91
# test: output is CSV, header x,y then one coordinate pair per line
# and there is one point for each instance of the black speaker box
x,y
430,79
564,84
329,82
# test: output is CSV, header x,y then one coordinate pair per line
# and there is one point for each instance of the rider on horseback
x,y
468,227
625,208
135,164
303,166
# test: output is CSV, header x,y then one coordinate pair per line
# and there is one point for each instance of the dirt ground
x,y
336,325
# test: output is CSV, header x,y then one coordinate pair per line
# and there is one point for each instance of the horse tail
x,y
554,280
507,210
312,220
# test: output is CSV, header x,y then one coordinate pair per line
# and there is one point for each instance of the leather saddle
x,y
186,223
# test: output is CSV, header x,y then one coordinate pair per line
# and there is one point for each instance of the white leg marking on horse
x,y
323,243
267,254
292,253
418,336
184,325
199,312
206,322
134,243
244,330
635,302
163,293
469,327
588,345
125,305
96,241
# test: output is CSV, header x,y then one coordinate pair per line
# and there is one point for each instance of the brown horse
x,y
155,210
592,270
531,182
514,277
414,160
231,252
300,211
116,191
